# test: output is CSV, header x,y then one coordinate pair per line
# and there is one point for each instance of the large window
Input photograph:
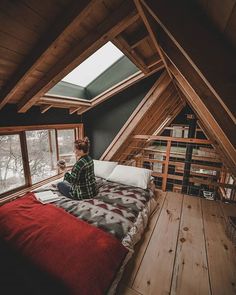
x,y
29,155
66,140
11,163
41,145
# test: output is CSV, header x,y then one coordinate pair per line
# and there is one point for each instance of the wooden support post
x,y
25,158
165,174
189,152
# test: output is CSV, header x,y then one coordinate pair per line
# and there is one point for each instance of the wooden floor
x,y
184,251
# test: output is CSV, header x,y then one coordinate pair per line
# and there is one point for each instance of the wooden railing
x,y
169,154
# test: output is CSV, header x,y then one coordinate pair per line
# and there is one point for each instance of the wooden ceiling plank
x,y
46,46
112,26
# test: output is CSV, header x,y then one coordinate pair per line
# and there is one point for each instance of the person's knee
x,y
60,186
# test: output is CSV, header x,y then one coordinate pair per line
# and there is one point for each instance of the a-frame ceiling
x,y
42,42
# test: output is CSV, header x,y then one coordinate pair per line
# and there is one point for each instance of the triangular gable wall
x,y
158,108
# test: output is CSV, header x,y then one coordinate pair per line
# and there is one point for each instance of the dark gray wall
x,y
103,122
10,117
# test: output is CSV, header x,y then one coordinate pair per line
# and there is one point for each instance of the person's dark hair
x,y
82,144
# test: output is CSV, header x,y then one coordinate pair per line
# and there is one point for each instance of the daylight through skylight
x,y
93,66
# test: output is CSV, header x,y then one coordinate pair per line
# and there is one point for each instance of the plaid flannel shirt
x,y
82,179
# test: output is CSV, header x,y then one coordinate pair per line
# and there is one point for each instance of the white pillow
x,y
130,175
103,168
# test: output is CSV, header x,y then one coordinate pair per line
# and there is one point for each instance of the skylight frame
x,y
86,70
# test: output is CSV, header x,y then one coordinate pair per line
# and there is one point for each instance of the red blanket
x,y
82,257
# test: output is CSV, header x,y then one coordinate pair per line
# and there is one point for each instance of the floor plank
x,y
220,251
134,264
190,274
155,272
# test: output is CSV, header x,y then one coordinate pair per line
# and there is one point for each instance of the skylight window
x,y
93,66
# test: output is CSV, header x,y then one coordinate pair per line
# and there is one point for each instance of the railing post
x,y
165,174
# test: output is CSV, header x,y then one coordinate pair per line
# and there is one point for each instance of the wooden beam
x,y
107,30
148,23
205,57
123,45
63,101
74,110
165,173
10,129
54,96
224,142
83,110
175,139
45,108
146,20
77,11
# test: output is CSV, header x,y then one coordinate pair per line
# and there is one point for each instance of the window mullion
x,y
25,157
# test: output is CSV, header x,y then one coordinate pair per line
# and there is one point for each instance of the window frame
x,y
21,131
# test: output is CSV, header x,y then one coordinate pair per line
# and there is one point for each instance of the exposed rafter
x,y
46,46
218,73
123,45
45,108
146,21
107,30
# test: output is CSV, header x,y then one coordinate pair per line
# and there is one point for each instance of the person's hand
x,y
61,164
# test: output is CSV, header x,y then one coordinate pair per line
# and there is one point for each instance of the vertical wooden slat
x,y
50,149
57,146
81,131
25,159
165,174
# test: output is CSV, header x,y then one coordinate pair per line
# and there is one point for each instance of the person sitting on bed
x,y
80,183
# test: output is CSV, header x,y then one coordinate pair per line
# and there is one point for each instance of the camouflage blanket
x,y
115,209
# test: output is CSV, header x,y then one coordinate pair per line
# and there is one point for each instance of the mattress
x,y
117,215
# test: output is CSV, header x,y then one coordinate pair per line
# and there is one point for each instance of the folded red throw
x,y
82,257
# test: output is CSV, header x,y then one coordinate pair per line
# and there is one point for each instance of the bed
x,y
70,246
